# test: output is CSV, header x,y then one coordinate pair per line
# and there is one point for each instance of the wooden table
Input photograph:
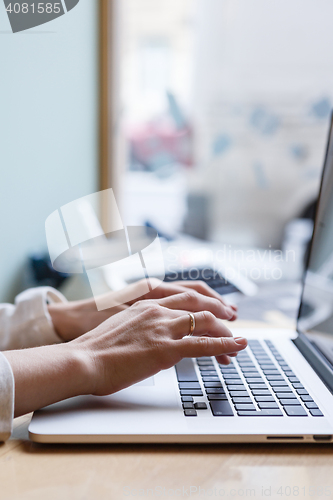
x,y
29,471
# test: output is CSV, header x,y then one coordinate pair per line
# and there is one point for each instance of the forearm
x,y
45,375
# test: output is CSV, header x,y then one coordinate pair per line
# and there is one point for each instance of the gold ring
x,y
192,324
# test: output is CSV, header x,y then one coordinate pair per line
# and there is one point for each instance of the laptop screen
x,y
316,311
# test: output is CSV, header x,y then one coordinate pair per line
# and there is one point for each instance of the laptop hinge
x,y
316,360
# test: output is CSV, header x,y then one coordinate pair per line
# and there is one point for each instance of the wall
x,y
48,129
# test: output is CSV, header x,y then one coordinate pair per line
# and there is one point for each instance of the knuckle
x,y
154,309
208,317
191,296
204,342
203,286
148,308
224,343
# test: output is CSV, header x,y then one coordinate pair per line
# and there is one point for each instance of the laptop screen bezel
x,y
315,221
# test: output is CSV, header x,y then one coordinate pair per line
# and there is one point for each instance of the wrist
x,y
66,320
46,375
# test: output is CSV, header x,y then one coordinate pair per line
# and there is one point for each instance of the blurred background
x,y
218,117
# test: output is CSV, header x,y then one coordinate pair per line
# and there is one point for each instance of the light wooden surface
x,y
29,471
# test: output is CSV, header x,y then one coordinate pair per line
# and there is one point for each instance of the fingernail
x,y
240,341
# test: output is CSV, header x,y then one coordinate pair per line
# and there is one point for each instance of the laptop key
x,y
221,409
271,406
215,390
255,381
294,380
212,384
239,394
258,386
190,413
285,367
200,406
290,402
212,397
236,388
311,405
234,381
302,392
260,392
237,400
316,412
264,399
251,375
188,406
189,385
280,388
211,379
298,385
285,395
248,407
278,383
206,368
275,377
290,373
295,411
262,413
229,377
185,371
190,392
187,399
307,399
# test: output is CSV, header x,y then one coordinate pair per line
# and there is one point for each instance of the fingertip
x,y
241,341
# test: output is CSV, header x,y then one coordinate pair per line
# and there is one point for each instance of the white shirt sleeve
x,y
6,398
27,323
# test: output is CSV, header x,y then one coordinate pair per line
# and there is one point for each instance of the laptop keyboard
x,y
212,278
258,383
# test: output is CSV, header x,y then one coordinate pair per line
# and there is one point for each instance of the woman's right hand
x,y
149,336
152,335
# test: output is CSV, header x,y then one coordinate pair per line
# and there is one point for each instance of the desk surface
x,y
51,472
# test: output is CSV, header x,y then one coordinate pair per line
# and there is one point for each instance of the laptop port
x,y
319,437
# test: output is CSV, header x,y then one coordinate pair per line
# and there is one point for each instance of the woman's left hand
x,y
73,319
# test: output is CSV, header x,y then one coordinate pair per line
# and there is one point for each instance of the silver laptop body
x,y
279,389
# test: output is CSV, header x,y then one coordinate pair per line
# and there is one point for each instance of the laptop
x,y
279,389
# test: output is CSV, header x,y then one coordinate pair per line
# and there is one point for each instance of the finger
x,y
194,347
205,324
195,302
223,359
204,289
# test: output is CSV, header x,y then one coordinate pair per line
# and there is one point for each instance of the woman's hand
x,y
151,336
72,319
172,288
143,339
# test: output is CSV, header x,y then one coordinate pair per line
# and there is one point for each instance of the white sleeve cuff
x,y
6,398
28,322
32,305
